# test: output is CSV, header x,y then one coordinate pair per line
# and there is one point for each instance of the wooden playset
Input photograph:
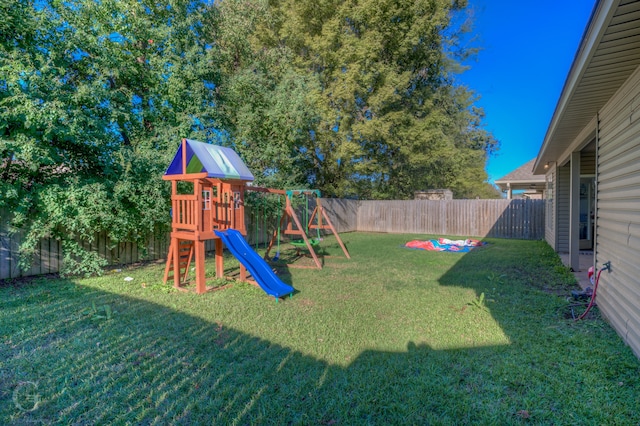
x,y
207,203
215,178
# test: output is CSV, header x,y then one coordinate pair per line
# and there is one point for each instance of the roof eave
x,y
520,182
601,14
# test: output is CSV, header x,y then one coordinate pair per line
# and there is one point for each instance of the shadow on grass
x,y
145,363
69,359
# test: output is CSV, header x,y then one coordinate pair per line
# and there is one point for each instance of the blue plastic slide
x,y
257,267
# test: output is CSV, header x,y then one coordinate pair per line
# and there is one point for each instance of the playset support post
x,y
320,216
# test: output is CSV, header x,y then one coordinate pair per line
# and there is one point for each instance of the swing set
x,y
290,224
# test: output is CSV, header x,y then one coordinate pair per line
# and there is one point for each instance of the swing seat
x,y
300,243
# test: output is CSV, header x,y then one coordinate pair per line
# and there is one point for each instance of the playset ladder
x,y
184,251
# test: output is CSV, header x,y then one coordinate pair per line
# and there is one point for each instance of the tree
x,y
94,97
263,102
389,118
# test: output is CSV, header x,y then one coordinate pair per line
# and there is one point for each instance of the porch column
x,y
574,212
509,191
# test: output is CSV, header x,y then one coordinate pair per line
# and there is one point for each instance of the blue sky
x,y
527,50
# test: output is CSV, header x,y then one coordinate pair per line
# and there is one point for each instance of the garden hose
x,y
606,266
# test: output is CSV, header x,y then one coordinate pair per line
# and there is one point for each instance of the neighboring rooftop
x,y
522,178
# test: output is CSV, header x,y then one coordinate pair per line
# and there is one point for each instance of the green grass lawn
x,y
393,336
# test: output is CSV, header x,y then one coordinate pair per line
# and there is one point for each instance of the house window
x,y
206,199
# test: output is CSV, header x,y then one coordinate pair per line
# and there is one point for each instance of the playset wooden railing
x,y
185,211
223,208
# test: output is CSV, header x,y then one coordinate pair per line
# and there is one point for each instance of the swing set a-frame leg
x,y
321,217
292,215
289,216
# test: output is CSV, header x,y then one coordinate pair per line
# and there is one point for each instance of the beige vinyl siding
x,y
618,221
562,210
550,210
588,163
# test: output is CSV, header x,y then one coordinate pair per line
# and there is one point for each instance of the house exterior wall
x,y
618,211
550,211
563,185
559,240
588,163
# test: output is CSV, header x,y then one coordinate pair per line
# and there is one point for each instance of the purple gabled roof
x,y
217,161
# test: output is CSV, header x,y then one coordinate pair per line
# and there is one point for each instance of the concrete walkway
x,y
586,261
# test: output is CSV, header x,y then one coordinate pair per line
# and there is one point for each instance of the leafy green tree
x,y
389,119
94,97
263,102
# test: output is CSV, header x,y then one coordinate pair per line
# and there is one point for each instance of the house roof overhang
x,y
525,185
608,54
522,178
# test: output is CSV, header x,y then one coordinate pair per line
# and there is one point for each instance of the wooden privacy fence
x,y
520,219
48,256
